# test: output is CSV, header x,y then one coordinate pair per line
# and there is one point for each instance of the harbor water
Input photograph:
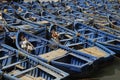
x,y
109,72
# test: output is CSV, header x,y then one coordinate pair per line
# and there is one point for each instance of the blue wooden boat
x,y
101,22
42,13
28,5
64,34
33,18
74,61
19,8
82,44
98,36
114,21
57,11
108,30
86,31
34,6
14,24
8,9
113,45
46,14
79,45
52,8
45,4
38,9
15,65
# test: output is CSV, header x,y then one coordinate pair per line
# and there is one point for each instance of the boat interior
x,y
87,48
114,42
71,60
28,69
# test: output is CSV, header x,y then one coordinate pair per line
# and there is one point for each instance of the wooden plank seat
x,y
53,54
70,37
42,22
95,51
20,67
14,72
25,26
28,77
48,70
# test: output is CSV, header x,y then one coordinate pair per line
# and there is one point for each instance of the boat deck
x,y
95,51
53,54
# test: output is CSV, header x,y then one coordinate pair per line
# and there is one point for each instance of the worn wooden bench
x,y
95,51
53,54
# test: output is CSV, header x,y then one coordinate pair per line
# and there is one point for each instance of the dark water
x,y
110,72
